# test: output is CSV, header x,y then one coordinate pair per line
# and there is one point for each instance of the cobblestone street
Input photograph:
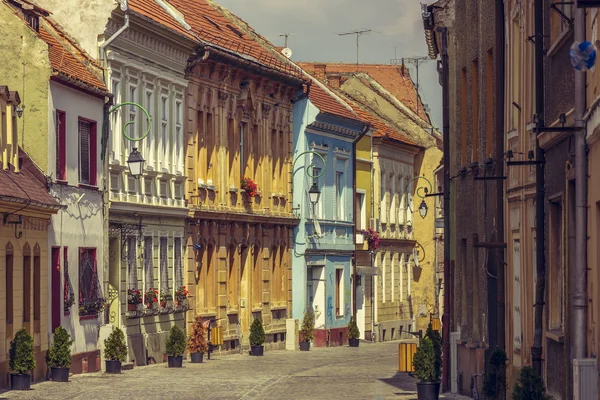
x,y
367,372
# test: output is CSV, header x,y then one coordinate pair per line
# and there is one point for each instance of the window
x,y
392,276
164,133
210,276
115,180
90,298
177,191
559,25
132,130
114,138
339,291
317,209
149,139
37,281
132,263
164,265
557,271
516,73
274,287
177,263
61,146
164,188
148,264
402,202
361,220
87,152
26,283
402,268
148,187
382,194
67,287
33,20
257,278
132,184
178,135
8,276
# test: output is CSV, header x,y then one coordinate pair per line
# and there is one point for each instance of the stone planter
x,y
304,346
113,366
197,357
353,342
60,374
257,350
175,362
428,390
20,381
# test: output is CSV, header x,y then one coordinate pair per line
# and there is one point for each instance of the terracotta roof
x,y
395,79
152,10
327,103
23,186
65,61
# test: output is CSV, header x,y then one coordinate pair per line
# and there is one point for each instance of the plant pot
x,y
428,390
257,350
131,307
175,362
353,342
197,357
60,374
20,381
113,366
304,346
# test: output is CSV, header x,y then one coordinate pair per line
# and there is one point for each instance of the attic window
x,y
33,21
236,31
213,23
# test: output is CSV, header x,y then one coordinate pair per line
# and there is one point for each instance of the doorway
x,y
56,288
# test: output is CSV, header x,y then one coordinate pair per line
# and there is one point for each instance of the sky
x,y
315,25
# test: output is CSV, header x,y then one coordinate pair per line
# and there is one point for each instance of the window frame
x,y
93,152
60,126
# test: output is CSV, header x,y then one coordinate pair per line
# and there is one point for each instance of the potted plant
x,y
257,337
353,333
181,295
425,369
21,360
249,187
197,344
307,329
115,351
58,356
530,386
372,237
134,297
494,381
150,297
176,345
166,298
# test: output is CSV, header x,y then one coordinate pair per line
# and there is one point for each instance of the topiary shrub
x,y
494,381
176,342
530,386
424,361
197,341
115,348
21,353
257,333
308,325
353,332
436,341
59,353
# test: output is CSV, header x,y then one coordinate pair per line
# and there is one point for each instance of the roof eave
x,y
63,78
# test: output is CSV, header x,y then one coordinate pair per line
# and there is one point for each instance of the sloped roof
x,y
23,186
394,78
152,10
326,103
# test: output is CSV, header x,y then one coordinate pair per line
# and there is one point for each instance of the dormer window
x,y
33,20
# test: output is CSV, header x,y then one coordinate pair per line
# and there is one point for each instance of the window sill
x,y
233,311
88,317
86,186
62,182
278,308
556,334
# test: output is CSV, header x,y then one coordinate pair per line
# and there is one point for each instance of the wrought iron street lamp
x,y
423,209
423,206
314,193
136,163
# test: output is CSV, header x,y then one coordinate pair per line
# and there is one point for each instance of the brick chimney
x,y
334,81
320,70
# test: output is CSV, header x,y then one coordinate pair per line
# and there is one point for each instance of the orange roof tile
x,y
393,78
63,61
329,104
150,9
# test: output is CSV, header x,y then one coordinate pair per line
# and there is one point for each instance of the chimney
x,y
320,70
334,81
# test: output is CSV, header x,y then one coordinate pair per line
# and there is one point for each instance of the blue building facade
x,y
323,145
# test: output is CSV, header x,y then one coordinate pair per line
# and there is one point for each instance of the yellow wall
x,y
25,67
363,178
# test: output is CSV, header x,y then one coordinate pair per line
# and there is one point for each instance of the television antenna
x,y
416,61
285,35
358,34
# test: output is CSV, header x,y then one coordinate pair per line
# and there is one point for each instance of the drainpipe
x,y
107,42
536,349
447,316
579,275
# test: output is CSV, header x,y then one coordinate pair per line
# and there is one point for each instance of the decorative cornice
x,y
335,129
148,42
321,147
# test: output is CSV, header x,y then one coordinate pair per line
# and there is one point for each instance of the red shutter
x,y
84,152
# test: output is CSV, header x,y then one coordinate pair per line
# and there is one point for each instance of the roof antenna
x,y
358,34
416,61
286,35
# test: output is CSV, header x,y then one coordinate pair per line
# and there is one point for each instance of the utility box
x,y
292,335
585,379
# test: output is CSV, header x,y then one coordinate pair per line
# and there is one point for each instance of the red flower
x,y
249,187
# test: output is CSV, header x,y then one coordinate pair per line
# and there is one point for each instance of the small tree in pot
x,y
197,344
353,333
58,356
257,337
176,345
21,360
427,371
307,329
115,351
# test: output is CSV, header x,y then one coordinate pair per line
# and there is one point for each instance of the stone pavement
x,y
366,372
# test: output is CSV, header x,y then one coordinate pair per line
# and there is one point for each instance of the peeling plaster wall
x,y
84,20
27,70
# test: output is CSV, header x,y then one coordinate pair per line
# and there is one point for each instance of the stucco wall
x,y
27,69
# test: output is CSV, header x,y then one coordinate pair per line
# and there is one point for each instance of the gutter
x,y
107,42
35,203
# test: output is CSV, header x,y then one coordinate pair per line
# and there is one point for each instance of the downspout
x,y
499,156
540,287
107,42
579,275
447,317
372,277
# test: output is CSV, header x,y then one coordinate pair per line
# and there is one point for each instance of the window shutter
x,y
84,152
57,132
